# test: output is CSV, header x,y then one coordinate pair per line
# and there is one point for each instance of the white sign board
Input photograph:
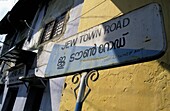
x,y
131,38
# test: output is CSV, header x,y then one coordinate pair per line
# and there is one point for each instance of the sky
x,y
5,6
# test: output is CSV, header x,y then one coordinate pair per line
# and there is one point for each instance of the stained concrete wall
x,y
138,87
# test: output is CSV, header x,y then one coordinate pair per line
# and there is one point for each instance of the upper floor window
x,y
47,31
53,29
58,28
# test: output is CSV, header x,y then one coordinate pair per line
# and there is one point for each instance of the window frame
x,y
56,30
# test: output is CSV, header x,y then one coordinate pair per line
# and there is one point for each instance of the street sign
x,y
131,38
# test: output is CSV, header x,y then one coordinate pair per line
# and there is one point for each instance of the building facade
x,y
34,28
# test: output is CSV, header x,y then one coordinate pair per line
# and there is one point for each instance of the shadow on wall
x,y
126,6
118,44
53,92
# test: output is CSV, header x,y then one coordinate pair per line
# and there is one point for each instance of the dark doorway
x,y
10,99
34,99
1,92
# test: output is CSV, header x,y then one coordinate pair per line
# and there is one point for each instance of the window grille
x,y
58,28
53,29
47,31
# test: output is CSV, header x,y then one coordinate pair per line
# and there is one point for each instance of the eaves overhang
x,y
16,53
23,10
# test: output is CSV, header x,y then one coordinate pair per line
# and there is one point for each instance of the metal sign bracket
x,y
82,84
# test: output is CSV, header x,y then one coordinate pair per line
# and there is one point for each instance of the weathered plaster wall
x,y
139,87
55,9
52,94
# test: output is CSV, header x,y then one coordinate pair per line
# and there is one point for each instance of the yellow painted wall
x,y
139,87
